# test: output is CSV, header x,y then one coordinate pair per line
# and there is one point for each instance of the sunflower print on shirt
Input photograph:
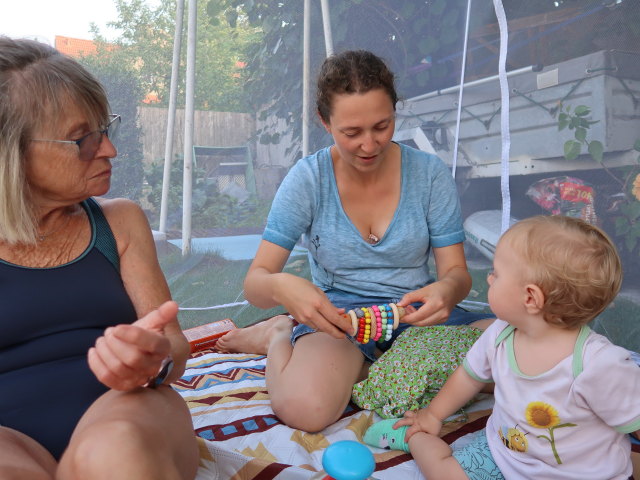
x,y
543,415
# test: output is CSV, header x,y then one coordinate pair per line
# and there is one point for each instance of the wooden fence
x,y
216,129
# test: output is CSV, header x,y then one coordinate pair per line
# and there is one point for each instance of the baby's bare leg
x,y
433,456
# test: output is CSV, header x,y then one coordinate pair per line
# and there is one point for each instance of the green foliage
x,y
407,33
421,40
627,224
124,93
579,122
210,208
146,46
626,220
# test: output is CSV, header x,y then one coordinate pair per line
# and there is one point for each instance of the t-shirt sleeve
x,y
477,363
293,206
609,385
443,212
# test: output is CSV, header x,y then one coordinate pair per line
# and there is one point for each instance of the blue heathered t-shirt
x,y
307,205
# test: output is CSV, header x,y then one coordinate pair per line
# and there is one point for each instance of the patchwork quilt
x,y
241,439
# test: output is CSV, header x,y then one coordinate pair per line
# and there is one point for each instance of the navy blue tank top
x,y
49,318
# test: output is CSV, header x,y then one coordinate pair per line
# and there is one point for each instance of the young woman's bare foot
x,y
256,338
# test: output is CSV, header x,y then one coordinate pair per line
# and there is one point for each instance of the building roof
x,y
75,47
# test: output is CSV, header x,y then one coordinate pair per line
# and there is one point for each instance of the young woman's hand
x,y
437,305
310,306
439,298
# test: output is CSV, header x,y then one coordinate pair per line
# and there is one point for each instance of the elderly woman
x,y
89,338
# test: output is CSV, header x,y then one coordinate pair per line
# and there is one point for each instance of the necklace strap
x,y
43,236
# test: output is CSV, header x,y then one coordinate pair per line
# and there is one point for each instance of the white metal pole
x,y
461,91
188,126
473,83
171,117
305,77
326,25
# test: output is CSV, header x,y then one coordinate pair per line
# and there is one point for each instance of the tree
x,y
421,39
124,94
145,45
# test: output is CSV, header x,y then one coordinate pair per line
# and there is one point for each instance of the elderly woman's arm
x,y
127,355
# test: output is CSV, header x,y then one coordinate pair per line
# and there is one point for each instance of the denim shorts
x,y
476,459
348,301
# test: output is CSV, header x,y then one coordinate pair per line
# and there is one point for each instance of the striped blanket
x,y
240,437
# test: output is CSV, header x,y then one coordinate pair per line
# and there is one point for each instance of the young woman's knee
x,y
308,411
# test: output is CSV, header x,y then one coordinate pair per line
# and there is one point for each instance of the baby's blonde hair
x,y
574,263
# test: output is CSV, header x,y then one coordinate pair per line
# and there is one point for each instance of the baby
x,y
565,397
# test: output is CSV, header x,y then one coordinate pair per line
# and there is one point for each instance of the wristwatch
x,y
165,369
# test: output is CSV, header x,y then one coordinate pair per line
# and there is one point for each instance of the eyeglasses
x,y
89,144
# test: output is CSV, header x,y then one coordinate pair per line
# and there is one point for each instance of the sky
x,y
48,18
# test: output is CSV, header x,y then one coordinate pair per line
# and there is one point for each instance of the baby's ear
x,y
534,298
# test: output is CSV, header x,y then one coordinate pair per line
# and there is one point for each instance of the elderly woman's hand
x,y
126,356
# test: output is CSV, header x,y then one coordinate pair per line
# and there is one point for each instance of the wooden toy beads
x,y
376,322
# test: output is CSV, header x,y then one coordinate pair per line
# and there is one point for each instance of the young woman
x,y
370,211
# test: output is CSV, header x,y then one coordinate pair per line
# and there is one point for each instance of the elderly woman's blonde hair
x,y
574,263
37,83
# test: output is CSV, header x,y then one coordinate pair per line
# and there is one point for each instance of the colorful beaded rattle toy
x,y
376,322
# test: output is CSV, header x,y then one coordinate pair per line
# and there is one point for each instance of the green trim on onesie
x,y
508,330
511,353
578,351
472,374
507,335
629,428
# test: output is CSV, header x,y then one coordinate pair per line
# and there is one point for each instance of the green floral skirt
x,y
410,374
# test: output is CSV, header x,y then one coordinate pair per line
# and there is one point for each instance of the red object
x,y
206,336
565,196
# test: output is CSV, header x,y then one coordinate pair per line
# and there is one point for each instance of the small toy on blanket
x,y
376,322
206,336
382,434
346,460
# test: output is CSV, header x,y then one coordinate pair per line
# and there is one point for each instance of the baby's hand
x,y
420,421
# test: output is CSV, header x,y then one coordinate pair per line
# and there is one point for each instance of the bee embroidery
x,y
514,439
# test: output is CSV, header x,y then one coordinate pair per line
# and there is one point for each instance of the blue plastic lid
x,y
348,460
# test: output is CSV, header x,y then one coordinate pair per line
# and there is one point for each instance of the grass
x,y
208,280
619,323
